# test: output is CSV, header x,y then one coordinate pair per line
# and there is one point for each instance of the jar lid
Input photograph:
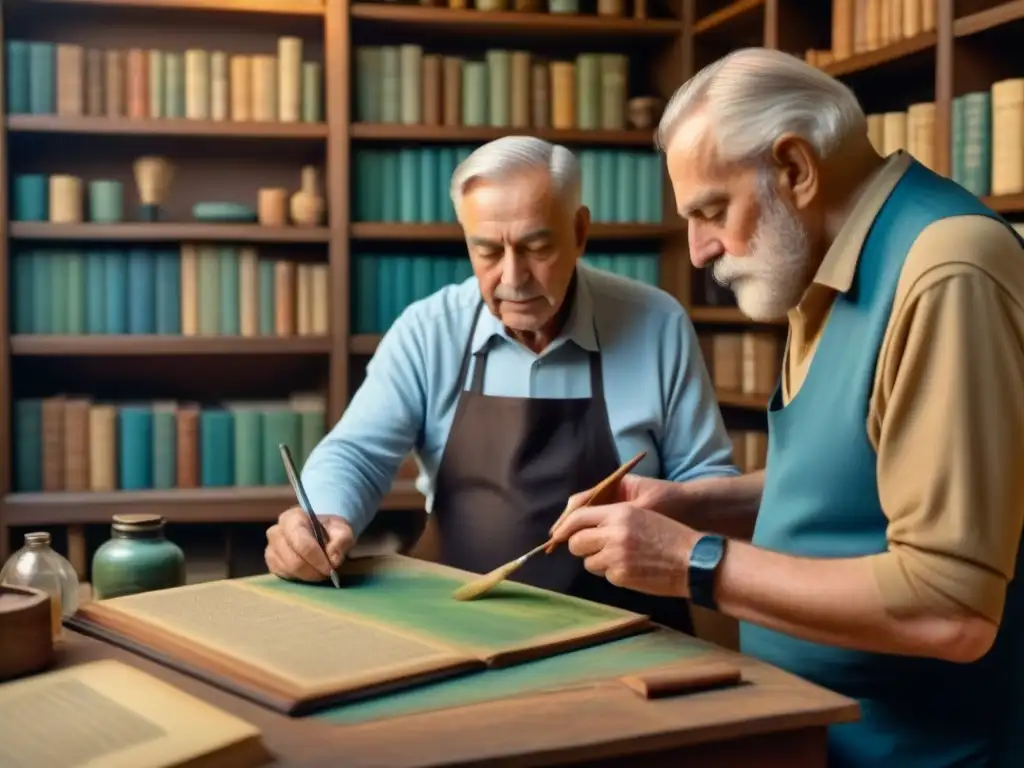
x,y
37,537
140,522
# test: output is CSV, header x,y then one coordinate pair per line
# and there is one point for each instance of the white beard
x,y
771,278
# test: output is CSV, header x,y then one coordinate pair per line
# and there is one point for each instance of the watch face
x,y
706,552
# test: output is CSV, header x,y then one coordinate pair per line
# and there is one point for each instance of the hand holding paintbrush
x,y
489,581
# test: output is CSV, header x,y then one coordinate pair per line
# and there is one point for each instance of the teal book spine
x,y
402,286
622,265
956,140
657,181
446,164
368,198
312,428
31,197
23,292
141,292
626,164
18,68
647,268
59,297
390,179
42,79
76,313
442,272
42,292
643,176
266,289
978,143
230,319
28,445
281,426
463,270
385,290
365,293
421,275
408,185
116,290
427,175
168,295
164,447
607,196
216,448
248,446
135,444
590,179
96,292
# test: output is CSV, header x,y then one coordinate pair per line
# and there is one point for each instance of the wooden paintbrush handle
x,y
599,494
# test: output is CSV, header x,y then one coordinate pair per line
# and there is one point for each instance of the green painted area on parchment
x,y
587,665
412,599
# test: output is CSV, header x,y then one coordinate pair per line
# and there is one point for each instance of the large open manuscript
x,y
299,647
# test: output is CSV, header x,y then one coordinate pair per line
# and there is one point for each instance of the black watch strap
x,y
705,558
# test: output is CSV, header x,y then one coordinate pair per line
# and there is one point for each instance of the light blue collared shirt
x,y
657,389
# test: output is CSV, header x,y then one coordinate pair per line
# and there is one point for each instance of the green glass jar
x,y
137,558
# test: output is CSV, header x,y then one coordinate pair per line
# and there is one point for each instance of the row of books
x,y
199,290
403,84
70,80
412,184
65,443
912,131
384,285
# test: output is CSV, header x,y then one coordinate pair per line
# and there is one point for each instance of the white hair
x,y
502,158
754,95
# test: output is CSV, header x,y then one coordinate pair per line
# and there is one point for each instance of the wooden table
x,y
778,721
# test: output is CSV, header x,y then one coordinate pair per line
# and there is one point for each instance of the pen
x,y
319,533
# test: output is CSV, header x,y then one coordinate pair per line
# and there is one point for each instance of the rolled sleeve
x,y
946,419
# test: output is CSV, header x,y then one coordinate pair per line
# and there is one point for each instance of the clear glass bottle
x,y
37,565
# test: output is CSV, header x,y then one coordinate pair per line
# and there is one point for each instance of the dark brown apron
x,y
508,468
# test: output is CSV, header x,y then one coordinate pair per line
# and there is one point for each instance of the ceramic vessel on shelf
x,y
37,565
307,205
138,557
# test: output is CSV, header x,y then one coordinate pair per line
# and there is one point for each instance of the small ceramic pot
x,y
137,558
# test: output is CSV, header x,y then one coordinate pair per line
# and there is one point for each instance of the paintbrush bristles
x,y
477,587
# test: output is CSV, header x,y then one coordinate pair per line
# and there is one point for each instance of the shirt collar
x,y
839,266
579,328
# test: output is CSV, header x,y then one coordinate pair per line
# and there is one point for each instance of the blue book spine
x,y
385,292
627,167
446,162
590,179
409,185
608,181
141,292
442,270
95,292
28,445
657,180
402,287
116,271
216,448
23,292
135,441
421,274
168,296
429,170
18,68
648,268
463,271
42,78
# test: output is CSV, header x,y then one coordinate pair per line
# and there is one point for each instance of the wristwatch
x,y
705,557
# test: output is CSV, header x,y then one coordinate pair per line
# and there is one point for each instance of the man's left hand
x,y
631,547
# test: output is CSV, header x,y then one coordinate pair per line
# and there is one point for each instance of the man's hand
x,y
658,495
292,552
630,546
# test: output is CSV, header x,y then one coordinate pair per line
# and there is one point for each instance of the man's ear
x,y
796,169
581,228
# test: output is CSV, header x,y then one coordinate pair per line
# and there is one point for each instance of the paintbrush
x,y
477,587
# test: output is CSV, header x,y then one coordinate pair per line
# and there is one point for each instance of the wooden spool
x,y
26,631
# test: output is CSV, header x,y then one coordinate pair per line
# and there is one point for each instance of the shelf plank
x,y
445,133
726,14
726,316
876,58
26,345
1005,203
123,126
278,7
453,232
497,23
742,400
973,23
178,505
166,232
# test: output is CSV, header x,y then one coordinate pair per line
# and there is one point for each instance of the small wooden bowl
x,y
26,631
643,112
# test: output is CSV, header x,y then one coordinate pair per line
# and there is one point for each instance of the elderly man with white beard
x,y
884,562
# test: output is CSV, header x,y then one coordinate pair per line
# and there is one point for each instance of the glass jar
x,y
37,565
136,558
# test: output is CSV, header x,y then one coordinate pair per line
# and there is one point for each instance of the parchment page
x,y
303,644
109,715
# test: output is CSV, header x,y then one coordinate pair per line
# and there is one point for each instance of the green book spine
x,y
446,163
390,84
76,323
385,291
408,184
23,292
978,143
168,296
626,164
135,444
474,93
390,179
590,180
312,428
420,280
280,426
410,82
164,445
230,320
427,173
312,92
442,270
588,91
648,268
248,446
209,291
956,136
653,175
266,289
174,85
607,195
364,289
142,291
157,81
59,297
622,265
614,78
42,78
18,67
570,7
402,287
216,448
28,445
42,292
95,293
369,86
499,88
115,273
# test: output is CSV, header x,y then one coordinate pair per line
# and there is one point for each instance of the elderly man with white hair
x,y
885,559
532,380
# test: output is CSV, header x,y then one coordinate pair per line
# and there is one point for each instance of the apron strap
x,y
467,352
